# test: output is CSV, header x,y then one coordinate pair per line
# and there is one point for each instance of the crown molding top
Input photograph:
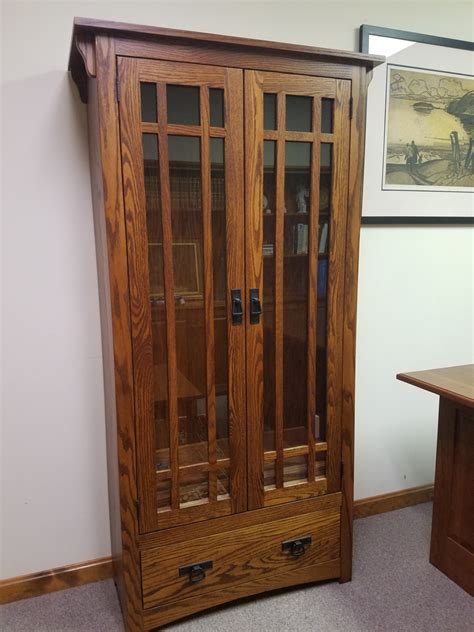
x,y
82,55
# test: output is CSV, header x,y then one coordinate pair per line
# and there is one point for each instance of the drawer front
x,y
206,564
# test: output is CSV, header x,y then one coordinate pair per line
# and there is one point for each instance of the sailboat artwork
x,y
429,131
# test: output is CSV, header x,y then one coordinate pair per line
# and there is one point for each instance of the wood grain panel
x,y
115,322
452,539
295,491
156,33
237,556
254,279
177,610
454,382
235,248
137,247
250,60
228,523
335,300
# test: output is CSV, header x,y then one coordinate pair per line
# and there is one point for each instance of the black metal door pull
x,y
255,306
237,309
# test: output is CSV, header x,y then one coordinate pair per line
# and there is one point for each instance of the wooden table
x,y
452,533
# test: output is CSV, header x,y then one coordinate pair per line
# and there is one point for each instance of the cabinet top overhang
x,y
82,60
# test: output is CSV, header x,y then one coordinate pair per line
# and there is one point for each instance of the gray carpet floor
x,y
394,589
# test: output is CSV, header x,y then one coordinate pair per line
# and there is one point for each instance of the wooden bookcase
x,y
228,329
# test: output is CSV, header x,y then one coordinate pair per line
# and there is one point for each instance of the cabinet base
x,y
157,617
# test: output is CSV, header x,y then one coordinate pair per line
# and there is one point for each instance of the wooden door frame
x,y
256,83
131,71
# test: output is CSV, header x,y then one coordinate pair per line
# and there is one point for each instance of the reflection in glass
x,y
269,111
223,484
295,291
299,114
320,464
216,106
157,302
219,257
193,488
269,474
163,495
148,102
327,115
295,469
325,179
187,234
183,105
269,186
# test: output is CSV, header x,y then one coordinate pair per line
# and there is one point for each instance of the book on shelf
x,y
322,277
323,238
300,239
268,250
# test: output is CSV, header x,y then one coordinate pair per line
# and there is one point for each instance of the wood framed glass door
x,y
297,148
181,131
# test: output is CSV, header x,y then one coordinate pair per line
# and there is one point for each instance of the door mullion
x,y
208,291
312,285
168,277
279,263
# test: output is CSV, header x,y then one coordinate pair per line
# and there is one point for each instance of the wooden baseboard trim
x,y
74,575
393,500
71,576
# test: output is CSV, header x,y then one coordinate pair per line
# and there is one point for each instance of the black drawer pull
x,y
296,548
196,572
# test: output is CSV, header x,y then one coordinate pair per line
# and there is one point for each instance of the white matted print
x,y
389,200
429,129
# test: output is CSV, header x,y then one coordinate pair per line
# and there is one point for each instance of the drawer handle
x,y
196,572
296,548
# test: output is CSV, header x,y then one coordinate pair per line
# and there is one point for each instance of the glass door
x,y
297,132
181,129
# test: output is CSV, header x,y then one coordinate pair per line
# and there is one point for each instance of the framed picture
x,y
419,159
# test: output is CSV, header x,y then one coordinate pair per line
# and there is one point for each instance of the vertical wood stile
x,y
235,276
279,262
208,289
337,253
168,277
254,278
313,284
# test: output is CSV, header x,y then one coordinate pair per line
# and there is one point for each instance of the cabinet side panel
x,y
118,353
356,162
106,332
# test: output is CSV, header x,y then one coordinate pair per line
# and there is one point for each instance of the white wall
x,y
415,283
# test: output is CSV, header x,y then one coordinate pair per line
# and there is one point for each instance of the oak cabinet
x,y
226,178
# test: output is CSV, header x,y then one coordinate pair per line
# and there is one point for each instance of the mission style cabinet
x,y
226,179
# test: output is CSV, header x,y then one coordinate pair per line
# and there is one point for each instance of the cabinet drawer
x,y
206,564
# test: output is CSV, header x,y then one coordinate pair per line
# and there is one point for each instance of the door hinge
x,y
117,90
351,107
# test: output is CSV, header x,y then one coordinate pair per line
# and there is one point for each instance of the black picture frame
x,y
365,31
